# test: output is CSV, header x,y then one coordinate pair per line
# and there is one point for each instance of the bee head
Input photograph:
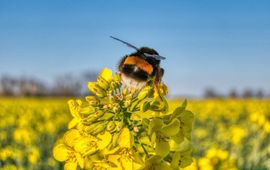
x,y
147,54
144,52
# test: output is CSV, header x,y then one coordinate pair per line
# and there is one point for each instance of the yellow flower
x,y
237,134
125,139
106,74
62,152
104,140
89,145
6,153
71,137
200,133
124,156
74,147
205,164
219,153
24,136
266,127
33,156
216,158
67,150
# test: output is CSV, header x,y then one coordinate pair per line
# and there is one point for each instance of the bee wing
x,y
128,44
157,57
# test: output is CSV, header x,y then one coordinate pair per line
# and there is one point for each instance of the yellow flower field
x,y
227,134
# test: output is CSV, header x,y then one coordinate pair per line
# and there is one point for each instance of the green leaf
x,y
145,122
163,166
186,161
171,129
179,110
151,163
179,137
184,104
159,104
186,158
186,119
153,139
146,106
155,125
156,106
163,89
182,159
180,147
143,93
175,160
162,148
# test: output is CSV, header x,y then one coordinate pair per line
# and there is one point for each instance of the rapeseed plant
x,y
123,128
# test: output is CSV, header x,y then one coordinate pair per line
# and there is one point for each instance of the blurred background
x,y
219,50
213,48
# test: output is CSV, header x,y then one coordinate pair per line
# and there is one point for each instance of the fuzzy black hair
x,y
143,50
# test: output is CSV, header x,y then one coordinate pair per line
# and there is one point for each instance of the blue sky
x,y
219,44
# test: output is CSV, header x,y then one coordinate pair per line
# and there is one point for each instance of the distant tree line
x,y
76,85
63,85
246,93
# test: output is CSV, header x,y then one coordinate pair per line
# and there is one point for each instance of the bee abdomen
x,y
134,72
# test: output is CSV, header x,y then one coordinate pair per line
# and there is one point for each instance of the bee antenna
x,y
128,44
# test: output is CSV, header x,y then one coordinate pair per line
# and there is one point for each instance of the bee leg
x,y
161,72
156,89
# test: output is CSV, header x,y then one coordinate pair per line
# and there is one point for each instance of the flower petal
x,y
105,140
71,137
125,139
85,146
70,165
61,152
106,74
80,160
126,163
73,123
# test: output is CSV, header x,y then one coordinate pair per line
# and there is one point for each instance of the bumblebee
x,y
138,68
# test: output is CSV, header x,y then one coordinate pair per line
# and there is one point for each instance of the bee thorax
x,y
131,82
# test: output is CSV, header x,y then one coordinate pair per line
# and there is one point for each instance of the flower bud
x,y
92,100
111,126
